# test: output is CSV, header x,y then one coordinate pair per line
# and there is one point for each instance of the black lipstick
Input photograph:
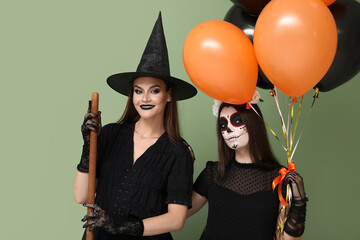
x,y
147,107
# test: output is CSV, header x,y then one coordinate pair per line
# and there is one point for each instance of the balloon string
x,y
288,116
281,225
292,111
272,131
310,110
282,119
297,142
296,123
286,129
315,97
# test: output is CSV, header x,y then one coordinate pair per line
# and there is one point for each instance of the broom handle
x,y
92,161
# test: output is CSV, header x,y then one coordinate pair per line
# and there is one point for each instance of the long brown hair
x,y
171,118
259,146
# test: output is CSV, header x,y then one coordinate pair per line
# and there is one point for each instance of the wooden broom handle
x,y
92,160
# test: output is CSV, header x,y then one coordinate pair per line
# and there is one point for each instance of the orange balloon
x,y
328,2
295,43
220,60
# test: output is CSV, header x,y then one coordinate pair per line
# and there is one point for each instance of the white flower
x,y
255,98
216,106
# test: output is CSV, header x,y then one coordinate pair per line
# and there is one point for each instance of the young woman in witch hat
x,y
144,167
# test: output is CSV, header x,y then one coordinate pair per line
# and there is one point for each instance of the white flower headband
x,y
215,107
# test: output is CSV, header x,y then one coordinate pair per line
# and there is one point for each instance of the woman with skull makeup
x,y
144,168
238,188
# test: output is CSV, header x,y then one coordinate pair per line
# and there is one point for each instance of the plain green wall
x,y
54,54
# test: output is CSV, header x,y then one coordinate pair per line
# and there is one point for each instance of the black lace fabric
x,y
100,219
241,178
86,127
242,205
295,223
245,179
133,228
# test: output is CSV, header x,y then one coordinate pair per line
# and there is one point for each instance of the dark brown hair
x,y
259,145
171,118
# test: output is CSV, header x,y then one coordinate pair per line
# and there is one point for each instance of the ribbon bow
x,y
279,180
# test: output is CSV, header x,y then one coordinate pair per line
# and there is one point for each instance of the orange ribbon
x,y
279,180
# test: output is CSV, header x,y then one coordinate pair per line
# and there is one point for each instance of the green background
x,y
54,54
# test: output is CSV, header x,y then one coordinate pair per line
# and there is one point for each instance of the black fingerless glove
x,y
133,228
87,126
99,218
295,223
83,166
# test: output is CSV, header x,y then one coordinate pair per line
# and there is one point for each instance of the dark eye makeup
x,y
156,90
137,91
236,120
223,123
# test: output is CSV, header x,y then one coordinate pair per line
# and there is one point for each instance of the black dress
x,y
161,175
242,205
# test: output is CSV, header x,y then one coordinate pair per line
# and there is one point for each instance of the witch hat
x,y
154,63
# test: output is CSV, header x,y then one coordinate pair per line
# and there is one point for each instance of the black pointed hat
x,y
154,63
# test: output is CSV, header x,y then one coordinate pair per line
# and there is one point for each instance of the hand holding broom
x,y
90,129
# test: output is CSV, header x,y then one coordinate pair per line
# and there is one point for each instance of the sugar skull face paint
x,y
233,129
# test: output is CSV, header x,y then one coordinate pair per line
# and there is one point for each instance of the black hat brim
x,y
122,83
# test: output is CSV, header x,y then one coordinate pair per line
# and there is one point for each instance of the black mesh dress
x,y
242,205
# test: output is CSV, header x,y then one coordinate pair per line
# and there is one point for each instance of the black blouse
x,y
161,175
242,205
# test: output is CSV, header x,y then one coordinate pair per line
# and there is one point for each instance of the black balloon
x,y
346,63
246,23
242,20
263,81
252,6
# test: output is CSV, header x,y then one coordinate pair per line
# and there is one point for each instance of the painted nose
x,y
228,130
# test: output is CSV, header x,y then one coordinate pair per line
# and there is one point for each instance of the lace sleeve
x,y
295,223
201,184
291,219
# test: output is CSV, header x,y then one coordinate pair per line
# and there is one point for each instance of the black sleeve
x,y
180,179
201,184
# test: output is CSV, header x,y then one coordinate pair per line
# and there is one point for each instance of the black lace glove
x,y
87,126
295,223
99,218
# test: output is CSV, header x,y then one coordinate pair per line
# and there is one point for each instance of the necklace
x,y
143,136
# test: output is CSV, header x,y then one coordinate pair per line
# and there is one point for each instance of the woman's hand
x,y
295,223
100,219
88,125
297,187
